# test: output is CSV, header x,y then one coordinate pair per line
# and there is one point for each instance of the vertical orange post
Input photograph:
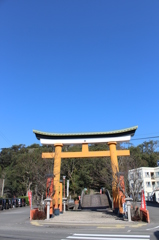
x,y
115,170
121,191
57,167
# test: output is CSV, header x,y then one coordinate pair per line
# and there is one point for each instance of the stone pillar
x,y
57,168
115,170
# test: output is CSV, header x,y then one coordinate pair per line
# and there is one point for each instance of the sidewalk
x,y
101,218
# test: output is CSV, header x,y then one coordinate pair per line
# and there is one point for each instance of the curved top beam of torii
x,y
122,135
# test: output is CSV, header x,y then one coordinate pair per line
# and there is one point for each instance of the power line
x,y
143,138
5,138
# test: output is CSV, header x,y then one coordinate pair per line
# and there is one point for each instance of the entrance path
x,y
100,218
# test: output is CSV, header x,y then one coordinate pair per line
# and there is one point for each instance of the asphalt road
x,y
15,224
153,211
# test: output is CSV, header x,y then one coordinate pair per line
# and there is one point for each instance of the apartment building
x,y
148,180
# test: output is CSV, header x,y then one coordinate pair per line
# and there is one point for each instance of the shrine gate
x,y
111,138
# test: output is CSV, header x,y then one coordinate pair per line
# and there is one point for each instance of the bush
x,y
39,215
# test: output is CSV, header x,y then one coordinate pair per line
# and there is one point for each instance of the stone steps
x,y
95,201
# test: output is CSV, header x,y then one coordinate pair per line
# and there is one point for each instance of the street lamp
x,y
64,186
48,201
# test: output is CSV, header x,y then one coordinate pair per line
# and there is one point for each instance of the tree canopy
x,y
23,168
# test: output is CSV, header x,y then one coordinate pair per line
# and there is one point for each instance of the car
x,y
20,202
10,203
4,203
1,203
15,202
23,202
7,203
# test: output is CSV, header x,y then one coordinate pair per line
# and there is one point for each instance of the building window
x,y
148,184
157,184
157,174
147,174
140,175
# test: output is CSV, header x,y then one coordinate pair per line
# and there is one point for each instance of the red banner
x,y
30,198
143,202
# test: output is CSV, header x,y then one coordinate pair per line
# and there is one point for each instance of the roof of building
x,y
117,133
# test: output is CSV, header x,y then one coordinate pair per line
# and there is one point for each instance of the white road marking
x,y
152,228
112,235
108,237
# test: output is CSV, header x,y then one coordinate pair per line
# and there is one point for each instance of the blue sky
x,y
78,66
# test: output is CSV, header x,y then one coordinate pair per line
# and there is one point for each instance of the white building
x,y
149,179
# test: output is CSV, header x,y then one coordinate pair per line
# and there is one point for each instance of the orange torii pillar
x,y
115,170
57,168
121,192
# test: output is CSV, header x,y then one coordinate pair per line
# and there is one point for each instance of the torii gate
x,y
60,139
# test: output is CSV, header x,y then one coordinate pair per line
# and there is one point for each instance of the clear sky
x,y
78,66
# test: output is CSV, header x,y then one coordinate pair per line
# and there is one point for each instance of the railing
x,y
109,197
82,194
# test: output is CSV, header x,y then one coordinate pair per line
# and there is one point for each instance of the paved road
x,y
154,212
15,224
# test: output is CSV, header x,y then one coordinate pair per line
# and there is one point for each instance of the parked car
x,y
7,203
20,204
15,202
23,202
4,203
10,203
1,203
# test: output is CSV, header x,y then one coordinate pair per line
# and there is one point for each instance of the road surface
x,y
15,224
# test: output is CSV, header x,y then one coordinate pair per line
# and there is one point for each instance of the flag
x,y
30,198
143,202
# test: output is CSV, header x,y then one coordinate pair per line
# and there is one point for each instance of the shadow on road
x,y
156,234
152,204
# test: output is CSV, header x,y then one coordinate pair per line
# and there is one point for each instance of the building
x,y
146,178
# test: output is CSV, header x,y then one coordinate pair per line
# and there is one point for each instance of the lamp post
x,y
48,200
64,186
64,199
128,202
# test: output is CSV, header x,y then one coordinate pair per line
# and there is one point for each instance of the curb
x,y
39,223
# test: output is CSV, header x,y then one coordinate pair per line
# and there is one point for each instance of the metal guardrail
x,y
109,197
